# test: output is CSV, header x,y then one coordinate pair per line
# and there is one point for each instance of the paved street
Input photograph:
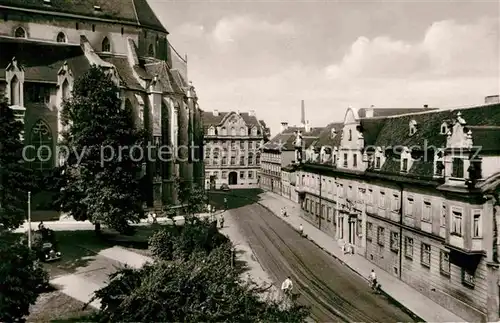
x,y
333,291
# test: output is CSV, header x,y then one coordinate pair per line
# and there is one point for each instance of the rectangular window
x,y
394,241
355,160
370,197
444,263
329,215
242,175
369,231
404,168
377,162
458,168
361,194
426,212
224,175
381,236
444,211
323,211
468,278
425,255
224,160
395,203
476,224
250,174
381,201
409,207
242,145
456,223
233,160
409,247
242,160
317,208
345,160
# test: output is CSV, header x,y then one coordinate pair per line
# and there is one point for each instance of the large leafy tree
x,y
22,278
196,235
101,174
204,288
15,177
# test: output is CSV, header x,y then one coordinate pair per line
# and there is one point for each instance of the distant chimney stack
x,y
492,99
302,113
284,126
251,113
216,113
369,111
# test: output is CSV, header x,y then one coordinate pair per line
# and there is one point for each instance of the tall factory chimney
x,y
302,114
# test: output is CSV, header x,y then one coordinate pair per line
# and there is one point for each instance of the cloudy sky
x,y
268,55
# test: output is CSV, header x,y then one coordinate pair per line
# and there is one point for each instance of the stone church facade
x,y
46,45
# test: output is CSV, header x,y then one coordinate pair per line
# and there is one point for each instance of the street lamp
x,y
29,220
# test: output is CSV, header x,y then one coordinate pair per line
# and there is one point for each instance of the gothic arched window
x,y
242,131
106,46
42,142
61,37
20,33
14,91
65,90
233,131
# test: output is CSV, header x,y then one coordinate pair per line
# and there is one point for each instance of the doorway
x,y
233,178
352,231
212,182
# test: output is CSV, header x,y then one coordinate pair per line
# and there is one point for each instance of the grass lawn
x,y
235,198
78,247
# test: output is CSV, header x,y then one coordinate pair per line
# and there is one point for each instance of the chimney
x,y
284,126
251,113
302,113
369,111
216,113
307,126
492,99
426,106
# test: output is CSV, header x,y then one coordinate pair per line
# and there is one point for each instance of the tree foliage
x,y
101,175
15,177
203,288
191,196
200,236
22,278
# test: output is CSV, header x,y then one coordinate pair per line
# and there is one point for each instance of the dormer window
x,y
242,131
224,131
413,127
404,165
61,38
106,46
20,33
254,131
458,168
444,128
333,133
211,131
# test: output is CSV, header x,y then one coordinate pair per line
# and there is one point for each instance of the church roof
x,y
136,12
45,65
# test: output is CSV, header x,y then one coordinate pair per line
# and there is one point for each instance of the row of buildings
x,y
45,45
415,191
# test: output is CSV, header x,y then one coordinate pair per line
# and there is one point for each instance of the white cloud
x,y
231,29
447,49
190,30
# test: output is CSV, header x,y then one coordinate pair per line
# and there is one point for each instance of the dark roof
x,y
394,131
325,137
285,140
124,71
137,12
165,76
41,61
210,119
378,112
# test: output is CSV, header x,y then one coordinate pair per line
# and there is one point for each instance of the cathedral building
x,y
46,44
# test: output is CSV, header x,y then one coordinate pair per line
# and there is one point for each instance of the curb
x,y
384,293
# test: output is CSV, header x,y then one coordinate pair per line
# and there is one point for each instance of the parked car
x,y
224,187
45,245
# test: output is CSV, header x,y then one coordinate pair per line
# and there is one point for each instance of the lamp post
x,y
29,220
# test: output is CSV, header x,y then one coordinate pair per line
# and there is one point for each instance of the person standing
x,y
301,230
221,221
225,203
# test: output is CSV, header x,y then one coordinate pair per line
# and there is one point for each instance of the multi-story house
x,y
288,182
280,152
416,193
46,45
232,148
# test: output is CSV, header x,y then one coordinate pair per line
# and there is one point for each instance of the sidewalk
x,y
408,297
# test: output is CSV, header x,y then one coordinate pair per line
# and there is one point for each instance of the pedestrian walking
x,y
301,230
221,221
225,203
373,280
284,212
